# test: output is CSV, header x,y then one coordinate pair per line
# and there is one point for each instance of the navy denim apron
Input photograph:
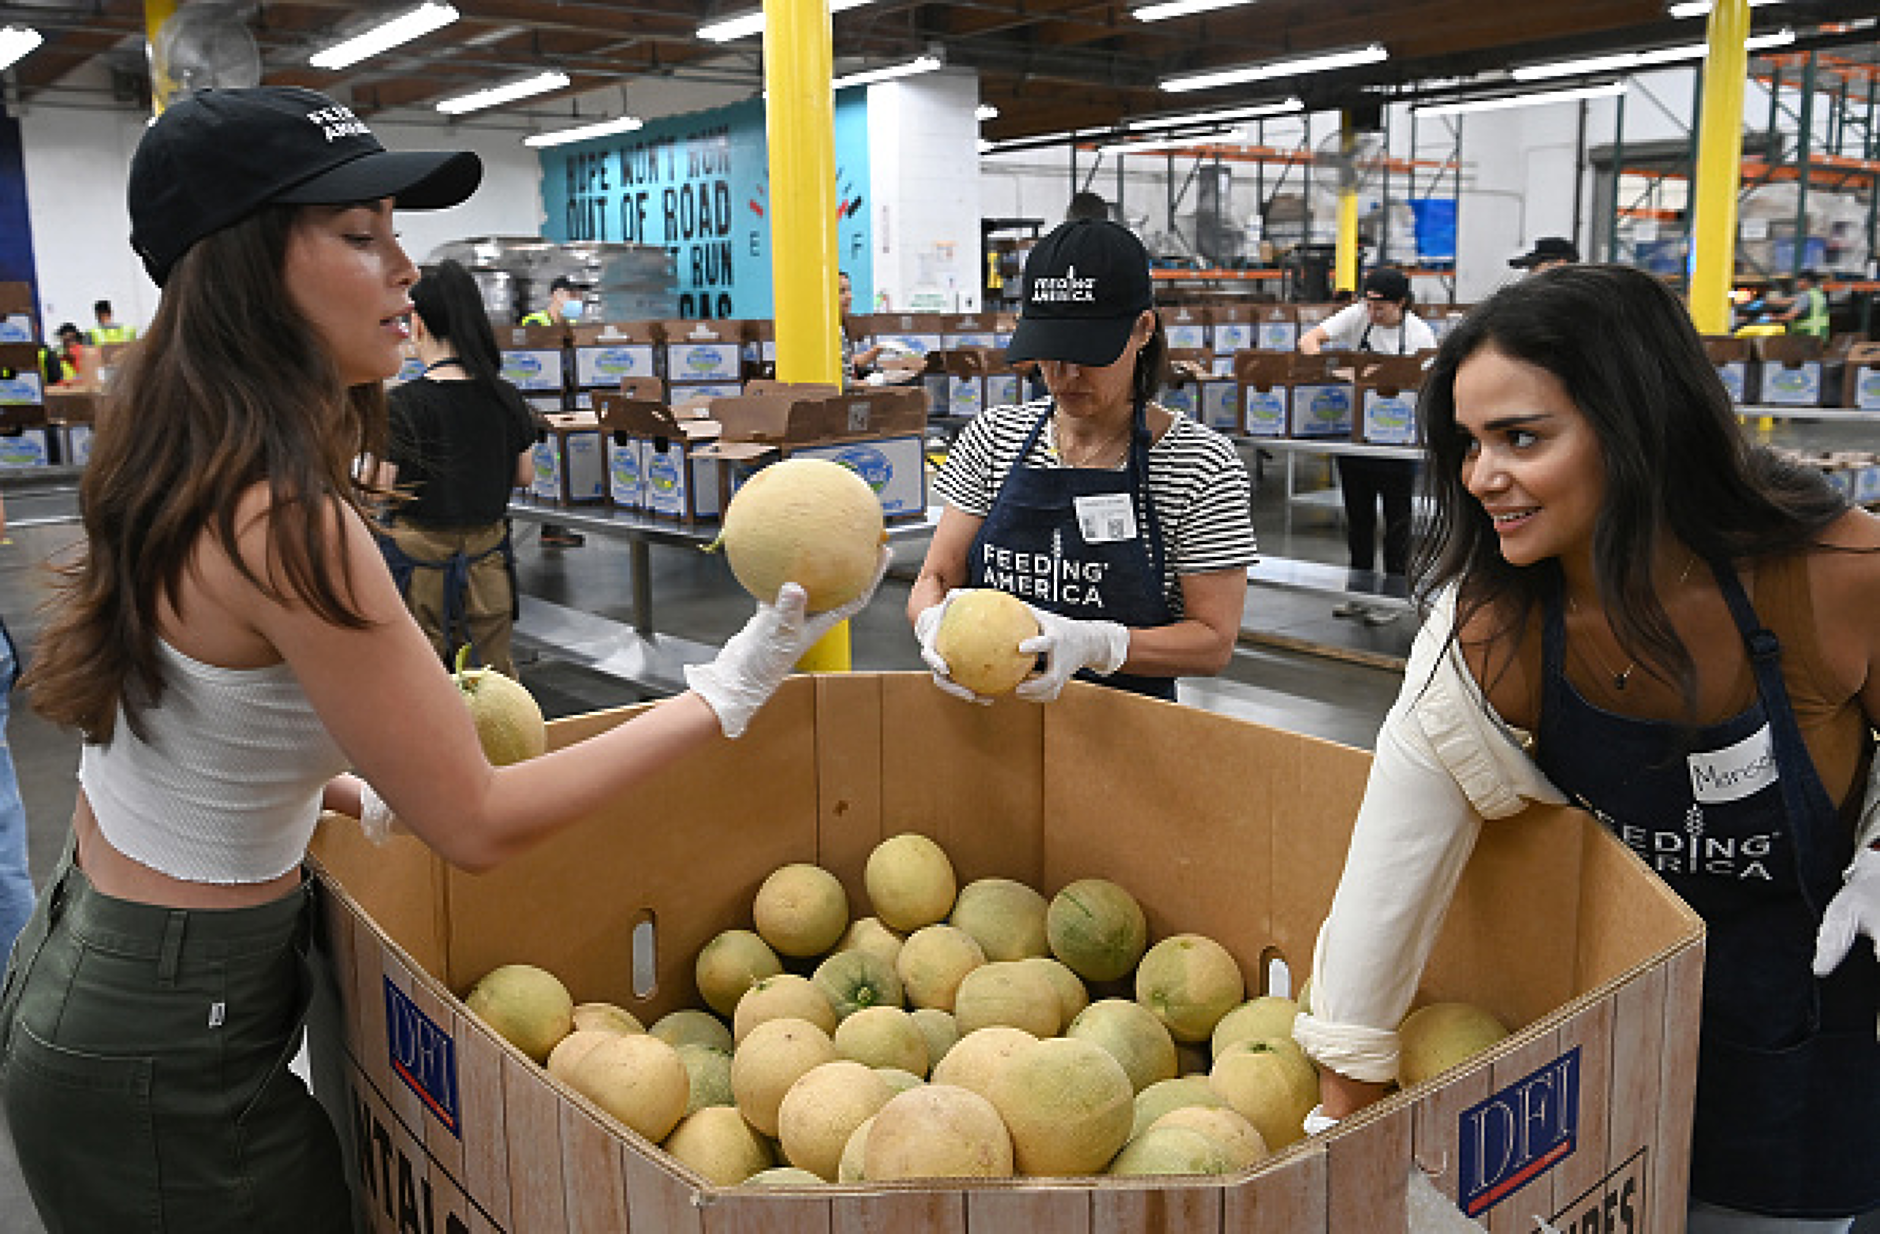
x,y
1032,545
1735,819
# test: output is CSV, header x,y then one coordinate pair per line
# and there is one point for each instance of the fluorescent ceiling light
x,y
1224,115
15,42
744,25
1215,138
581,132
1295,67
1627,61
920,64
1037,140
1518,100
1701,8
1182,8
985,112
496,96
405,27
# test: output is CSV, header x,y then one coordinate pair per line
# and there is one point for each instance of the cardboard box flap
x,y
1263,369
1276,312
1320,367
72,406
808,389
650,417
531,338
804,412
966,361
17,298
1788,350
1726,348
618,333
679,333
1393,374
571,421
1864,353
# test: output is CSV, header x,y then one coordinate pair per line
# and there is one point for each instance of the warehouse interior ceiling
x,y
1048,66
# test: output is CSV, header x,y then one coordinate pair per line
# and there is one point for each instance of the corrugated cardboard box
x,y
878,432
1861,386
1186,326
1265,381
1320,402
1791,372
704,351
626,489
1233,329
956,379
1732,358
19,316
1217,825
1384,398
666,476
969,330
918,333
1277,327
609,353
22,381
533,359
570,462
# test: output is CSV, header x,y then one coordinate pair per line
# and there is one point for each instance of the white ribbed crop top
x,y
227,788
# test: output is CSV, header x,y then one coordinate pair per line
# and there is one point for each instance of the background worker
x,y
563,308
856,365
107,329
1805,309
73,356
460,439
1631,608
1381,321
231,647
1125,527
1548,253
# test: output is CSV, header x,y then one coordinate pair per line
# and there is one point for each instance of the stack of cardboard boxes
x,y
26,438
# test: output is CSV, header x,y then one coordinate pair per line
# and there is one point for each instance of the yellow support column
x,y
1719,163
156,12
1346,274
800,124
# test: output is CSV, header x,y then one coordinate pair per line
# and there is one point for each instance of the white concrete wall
x,y
923,168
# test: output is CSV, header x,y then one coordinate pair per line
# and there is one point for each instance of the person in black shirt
x,y
459,441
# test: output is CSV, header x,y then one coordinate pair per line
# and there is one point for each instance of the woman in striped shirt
x,y
1126,528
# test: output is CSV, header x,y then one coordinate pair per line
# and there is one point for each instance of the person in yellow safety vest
x,y
73,357
108,330
1806,311
564,306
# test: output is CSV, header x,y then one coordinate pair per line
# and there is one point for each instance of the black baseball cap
x,y
1086,283
1387,283
1547,248
215,157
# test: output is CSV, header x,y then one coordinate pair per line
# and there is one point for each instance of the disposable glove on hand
x,y
1317,1120
926,626
1067,646
1855,909
757,659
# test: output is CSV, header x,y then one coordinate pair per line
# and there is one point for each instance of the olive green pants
x,y
145,1068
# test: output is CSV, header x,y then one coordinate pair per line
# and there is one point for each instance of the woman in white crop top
x,y
230,640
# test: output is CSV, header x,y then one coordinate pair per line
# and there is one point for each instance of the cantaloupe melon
x,y
806,521
509,722
978,637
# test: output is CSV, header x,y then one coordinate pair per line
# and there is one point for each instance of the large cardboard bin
x,y
1217,825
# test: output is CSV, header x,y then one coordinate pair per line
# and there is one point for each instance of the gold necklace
x,y
1623,677
1102,450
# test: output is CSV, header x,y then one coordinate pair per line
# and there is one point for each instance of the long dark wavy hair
x,y
1675,459
1151,364
228,388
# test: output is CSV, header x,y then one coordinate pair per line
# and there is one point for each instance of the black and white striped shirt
x,y
1196,481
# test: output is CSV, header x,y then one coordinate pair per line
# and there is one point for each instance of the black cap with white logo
x,y
217,156
1086,283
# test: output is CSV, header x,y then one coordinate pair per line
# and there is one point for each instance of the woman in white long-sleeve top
x,y
1632,608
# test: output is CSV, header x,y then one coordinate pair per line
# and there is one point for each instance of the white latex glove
x,y
926,624
1067,646
1855,909
757,659
1318,1121
376,819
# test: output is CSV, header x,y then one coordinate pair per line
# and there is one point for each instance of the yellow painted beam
x,y
156,12
800,122
1719,159
1345,276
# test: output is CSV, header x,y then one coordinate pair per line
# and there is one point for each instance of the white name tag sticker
x,y
1106,518
1734,772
